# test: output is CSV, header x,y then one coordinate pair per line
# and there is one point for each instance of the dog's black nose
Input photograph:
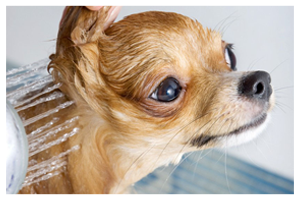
x,y
256,85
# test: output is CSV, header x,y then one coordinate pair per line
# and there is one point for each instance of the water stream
x,y
26,88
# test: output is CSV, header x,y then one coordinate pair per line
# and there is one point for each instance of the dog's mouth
x,y
253,124
203,140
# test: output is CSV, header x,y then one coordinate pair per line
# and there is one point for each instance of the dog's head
x,y
161,80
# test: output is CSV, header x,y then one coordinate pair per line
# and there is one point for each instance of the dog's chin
x,y
244,133
240,135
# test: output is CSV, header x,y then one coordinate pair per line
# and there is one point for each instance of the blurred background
x,y
263,39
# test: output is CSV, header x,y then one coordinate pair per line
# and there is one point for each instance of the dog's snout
x,y
256,85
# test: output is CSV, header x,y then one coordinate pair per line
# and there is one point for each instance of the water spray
x,y
22,169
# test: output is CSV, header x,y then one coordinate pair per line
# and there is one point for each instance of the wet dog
x,y
148,89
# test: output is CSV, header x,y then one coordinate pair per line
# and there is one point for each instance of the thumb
x,y
112,15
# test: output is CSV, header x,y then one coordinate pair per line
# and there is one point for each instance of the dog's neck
x,y
110,161
113,162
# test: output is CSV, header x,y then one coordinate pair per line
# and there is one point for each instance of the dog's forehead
x,y
145,40
188,42
179,37
167,24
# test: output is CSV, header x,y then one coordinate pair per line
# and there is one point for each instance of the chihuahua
x,y
148,89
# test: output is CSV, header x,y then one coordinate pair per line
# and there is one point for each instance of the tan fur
x,y
124,134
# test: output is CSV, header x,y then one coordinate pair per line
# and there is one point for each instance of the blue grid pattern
x,y
199,174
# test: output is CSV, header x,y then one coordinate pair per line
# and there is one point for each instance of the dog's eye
x,y
230,57
167,91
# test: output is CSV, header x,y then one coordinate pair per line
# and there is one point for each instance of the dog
x,y
148,89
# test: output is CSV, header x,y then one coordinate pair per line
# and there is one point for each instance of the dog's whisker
x,y
196,132
279,65
220,157
280,107
215,118
199,129
259,150
230,127
206,154
225,171
197,118
219,25
199,157
247,154
224,29
266,144
193,134
284,105
135,161
254,62
175,167
283,88
281,95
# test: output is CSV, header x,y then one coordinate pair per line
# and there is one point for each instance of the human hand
x,y
112,15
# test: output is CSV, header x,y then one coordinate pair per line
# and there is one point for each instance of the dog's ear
x,y
77,60
82,25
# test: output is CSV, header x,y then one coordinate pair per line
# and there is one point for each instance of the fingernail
x,y
94,8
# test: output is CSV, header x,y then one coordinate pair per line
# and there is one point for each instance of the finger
x,y
94,8
112,15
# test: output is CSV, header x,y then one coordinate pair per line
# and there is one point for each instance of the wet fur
x,y
124,134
